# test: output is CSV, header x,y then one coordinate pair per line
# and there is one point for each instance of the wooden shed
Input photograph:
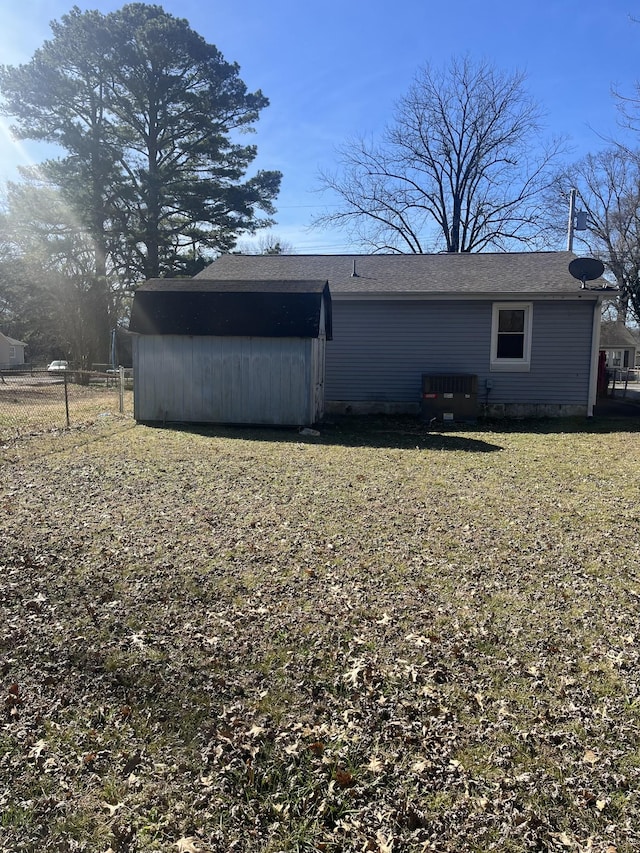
x,y
234,352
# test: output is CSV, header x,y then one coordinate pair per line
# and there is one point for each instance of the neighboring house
x,y
518,323
619,345
230,352
11,352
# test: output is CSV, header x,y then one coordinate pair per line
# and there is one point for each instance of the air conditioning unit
x,y
449,397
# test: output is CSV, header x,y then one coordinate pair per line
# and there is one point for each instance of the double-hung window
x,y
511,336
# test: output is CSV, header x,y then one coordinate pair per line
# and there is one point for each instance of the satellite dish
x,y
586,269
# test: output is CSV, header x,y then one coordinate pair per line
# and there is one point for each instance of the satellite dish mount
x,y
586,269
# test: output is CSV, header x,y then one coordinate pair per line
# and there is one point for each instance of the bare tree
x,y
461,168
608,189
266,244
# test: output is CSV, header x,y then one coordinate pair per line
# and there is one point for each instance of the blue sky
x,y
334,69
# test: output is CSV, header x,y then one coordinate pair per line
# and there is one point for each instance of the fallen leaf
x,y
137,639
111,808
375,765
256,730
316,748
132,762
14,695
344,778
37,749
189,844
353,675
385,844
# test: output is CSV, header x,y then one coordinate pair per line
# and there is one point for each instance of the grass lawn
x,y
30,405
378,639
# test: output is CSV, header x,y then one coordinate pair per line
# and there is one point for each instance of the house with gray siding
x,y
11,352
525,329
619,345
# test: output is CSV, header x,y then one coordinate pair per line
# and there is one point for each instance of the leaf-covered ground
x,y
378,639
31,403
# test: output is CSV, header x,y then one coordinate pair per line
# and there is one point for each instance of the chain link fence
x,y
620,380
33,401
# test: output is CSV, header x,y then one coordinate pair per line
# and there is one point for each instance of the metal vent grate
x,y
437,383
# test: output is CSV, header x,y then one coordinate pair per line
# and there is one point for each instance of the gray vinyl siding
x,y
380,350
11,352
226,380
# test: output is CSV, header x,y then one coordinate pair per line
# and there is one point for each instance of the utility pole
x,y
572,214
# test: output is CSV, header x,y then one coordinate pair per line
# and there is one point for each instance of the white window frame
x,y
512,364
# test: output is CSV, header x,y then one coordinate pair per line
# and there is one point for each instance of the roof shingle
x,y
442,274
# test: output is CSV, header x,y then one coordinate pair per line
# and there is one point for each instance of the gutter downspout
x,y
595,351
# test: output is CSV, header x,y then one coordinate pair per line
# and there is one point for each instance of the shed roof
x,y
232,308
438,275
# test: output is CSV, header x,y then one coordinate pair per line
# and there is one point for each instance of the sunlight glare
x,y
13,153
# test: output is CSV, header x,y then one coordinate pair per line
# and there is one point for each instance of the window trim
x,y
511,364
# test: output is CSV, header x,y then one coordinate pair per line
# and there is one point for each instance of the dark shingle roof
x,y
443,274
617,335
231,308
13,341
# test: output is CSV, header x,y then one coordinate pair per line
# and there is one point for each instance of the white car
x,y
58,366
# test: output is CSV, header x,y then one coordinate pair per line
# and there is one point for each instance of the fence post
x,y
121,384
66,397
